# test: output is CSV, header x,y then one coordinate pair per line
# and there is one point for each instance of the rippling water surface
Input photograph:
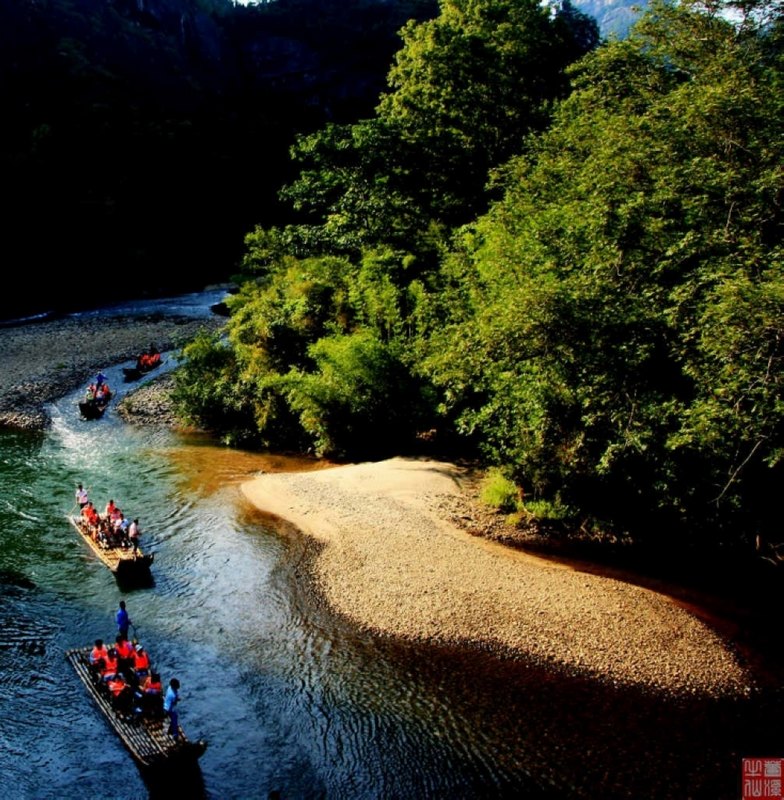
x,y
292,700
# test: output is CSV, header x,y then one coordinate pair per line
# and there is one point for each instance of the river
x,y
294,702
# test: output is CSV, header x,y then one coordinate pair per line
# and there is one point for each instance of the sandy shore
x,y
388,558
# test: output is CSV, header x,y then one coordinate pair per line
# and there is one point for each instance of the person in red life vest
x,y
149,697
141,662
90,514
91,519
120,693
125,654
97,654
102,536
86,516
109,668
110,507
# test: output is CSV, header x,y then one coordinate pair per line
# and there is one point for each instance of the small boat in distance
x,y
96,399
92,408
122,561
147,361
143,734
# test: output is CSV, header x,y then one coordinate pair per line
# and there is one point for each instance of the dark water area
x,y
292,699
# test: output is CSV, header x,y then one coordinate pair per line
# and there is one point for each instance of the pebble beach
x,y
43,361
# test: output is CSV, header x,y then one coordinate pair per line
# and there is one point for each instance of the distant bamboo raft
x,y
145,738
121,561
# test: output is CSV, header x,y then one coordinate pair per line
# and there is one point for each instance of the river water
x,y
294,702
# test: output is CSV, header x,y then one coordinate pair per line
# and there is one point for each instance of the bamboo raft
x,y
146,738
92,408
122,562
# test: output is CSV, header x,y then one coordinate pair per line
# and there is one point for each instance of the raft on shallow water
x,y
142,367
146,738
120,560
94,408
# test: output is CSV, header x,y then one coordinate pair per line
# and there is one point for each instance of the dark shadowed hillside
x,y
143,138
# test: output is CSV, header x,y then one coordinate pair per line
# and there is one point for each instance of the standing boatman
x,y
81,496
133,536
170,707
123,620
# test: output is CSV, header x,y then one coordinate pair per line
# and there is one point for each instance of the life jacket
x,y
141,660
111,665
97,653
116,685
153,687
124,649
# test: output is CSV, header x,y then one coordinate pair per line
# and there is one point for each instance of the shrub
x,y
499,492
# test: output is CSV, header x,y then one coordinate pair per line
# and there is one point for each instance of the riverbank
x,y
389,546
389,554
42,361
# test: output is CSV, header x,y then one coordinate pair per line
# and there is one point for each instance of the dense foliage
x,y
620,340
586,290
326,333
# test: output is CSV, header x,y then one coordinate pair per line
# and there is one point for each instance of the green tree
x,y
465,90
616,319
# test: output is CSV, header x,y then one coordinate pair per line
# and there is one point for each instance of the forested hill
x,y
143,138
559,254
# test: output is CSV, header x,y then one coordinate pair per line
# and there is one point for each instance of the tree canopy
x,y
573,271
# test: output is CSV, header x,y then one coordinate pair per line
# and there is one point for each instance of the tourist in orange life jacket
x,y
125,654
110,506
85,514
89,513
152,684
149,697
110,665
141,662
93,517
98,653
121,694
